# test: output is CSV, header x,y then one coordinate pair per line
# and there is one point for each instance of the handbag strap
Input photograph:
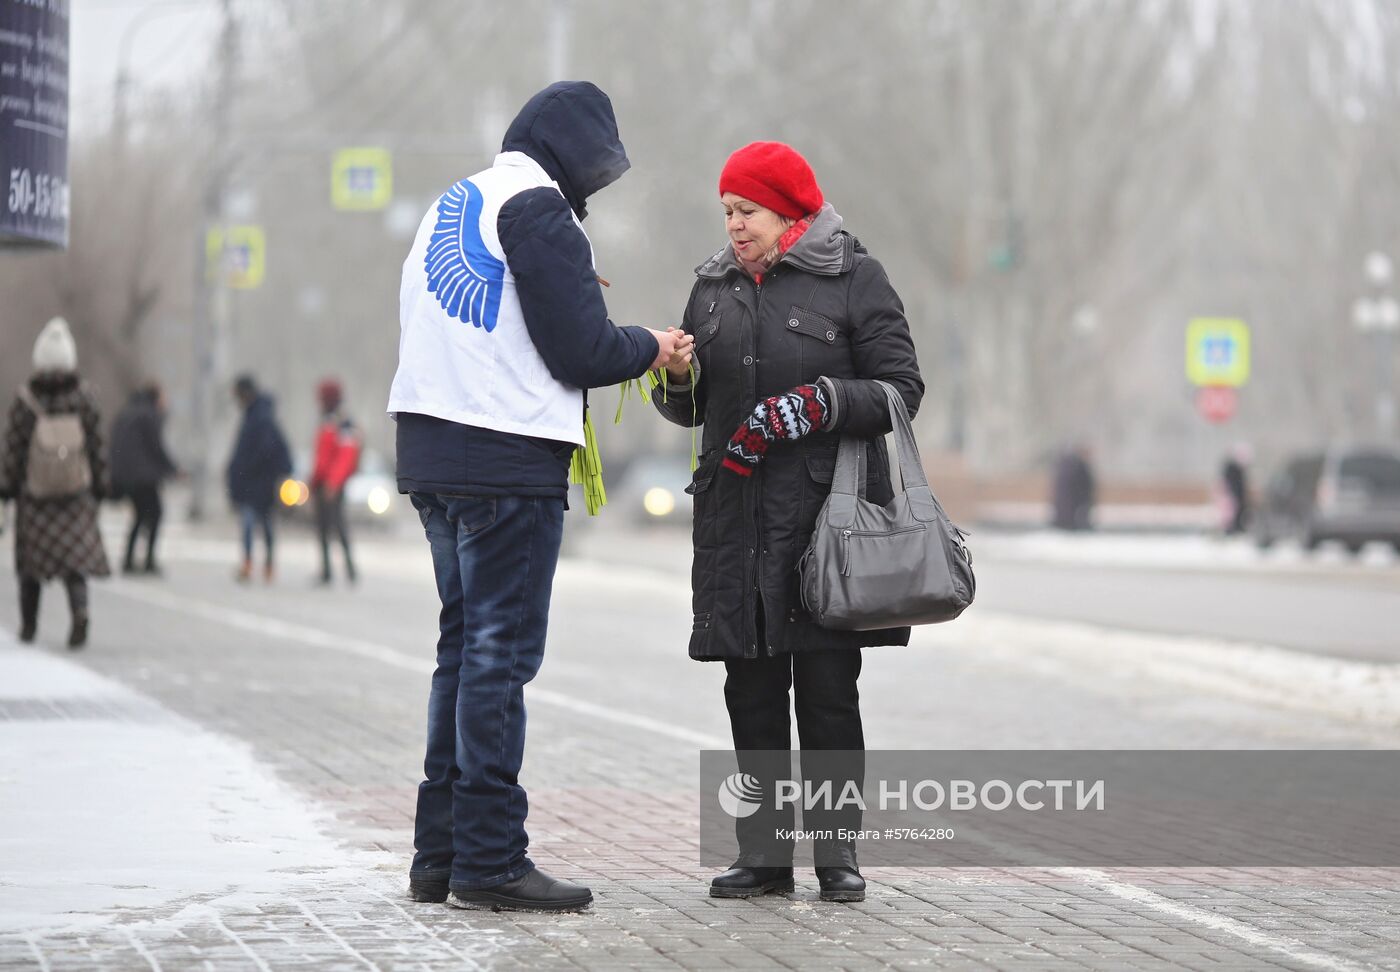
x,y
27,396
849,471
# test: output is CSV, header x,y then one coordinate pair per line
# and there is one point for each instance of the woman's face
x,y
752,229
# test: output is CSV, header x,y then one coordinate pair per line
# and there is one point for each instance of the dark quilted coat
x,y
55,537
826,309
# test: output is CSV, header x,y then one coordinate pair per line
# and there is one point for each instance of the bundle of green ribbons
x,y
586,468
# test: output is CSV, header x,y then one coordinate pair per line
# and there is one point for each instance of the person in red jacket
x,y
337,457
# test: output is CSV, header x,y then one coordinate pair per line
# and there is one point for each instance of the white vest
x,y
464,352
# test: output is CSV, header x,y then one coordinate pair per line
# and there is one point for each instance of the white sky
x,y
166,40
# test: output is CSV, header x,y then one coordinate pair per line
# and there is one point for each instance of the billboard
x,y
34,122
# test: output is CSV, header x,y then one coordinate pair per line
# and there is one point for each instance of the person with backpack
x,y
337,457
261,461
140,463
55,472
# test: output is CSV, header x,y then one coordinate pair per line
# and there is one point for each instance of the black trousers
x,y
827,703
31,587
330,519
147,511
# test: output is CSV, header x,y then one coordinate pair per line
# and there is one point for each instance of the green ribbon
x,y
586,466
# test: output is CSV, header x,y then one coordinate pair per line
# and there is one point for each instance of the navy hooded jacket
x,y
261,458
570,131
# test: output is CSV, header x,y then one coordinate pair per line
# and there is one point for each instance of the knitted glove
x,y
790,415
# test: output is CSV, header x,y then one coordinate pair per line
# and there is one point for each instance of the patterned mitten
x,y
790,415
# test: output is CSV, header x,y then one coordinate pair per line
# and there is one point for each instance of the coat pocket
x,y
704,529
813,325
821,466
707,331
705,468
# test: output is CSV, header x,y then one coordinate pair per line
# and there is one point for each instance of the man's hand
x,y
678,367
674,349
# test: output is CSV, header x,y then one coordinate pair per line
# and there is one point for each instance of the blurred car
x,y
1348,495
371,494
651,491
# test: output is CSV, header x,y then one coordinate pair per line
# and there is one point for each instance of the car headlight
x,y
659,501
378,500
293,492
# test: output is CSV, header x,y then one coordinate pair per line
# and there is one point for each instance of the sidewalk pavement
x,y
194,793
135,839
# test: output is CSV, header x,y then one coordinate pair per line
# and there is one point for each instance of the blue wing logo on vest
x,y
462,273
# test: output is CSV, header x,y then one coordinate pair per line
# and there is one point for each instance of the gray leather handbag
x,y
874,566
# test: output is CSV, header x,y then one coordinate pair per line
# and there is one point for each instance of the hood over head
x,y
570,130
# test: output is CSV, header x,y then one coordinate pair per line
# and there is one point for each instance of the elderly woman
x,y
55,488
793,322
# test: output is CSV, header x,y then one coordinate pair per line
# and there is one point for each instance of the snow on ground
x,y
1171,551
1358,693
108,801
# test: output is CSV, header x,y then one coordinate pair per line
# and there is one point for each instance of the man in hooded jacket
x,y
503,328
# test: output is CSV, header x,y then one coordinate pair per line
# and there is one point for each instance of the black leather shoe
x,y
841,884
77,635
427,889
533,891
749,882
27,632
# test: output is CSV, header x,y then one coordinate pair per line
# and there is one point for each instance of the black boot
x,y
77,635
533,891
426,888
78,607
749,882
28,609
841,884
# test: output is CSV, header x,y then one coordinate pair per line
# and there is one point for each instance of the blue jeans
x,y
251,517
494,559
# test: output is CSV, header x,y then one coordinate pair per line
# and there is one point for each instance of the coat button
x,y
831,335
748,360
792,322
736,290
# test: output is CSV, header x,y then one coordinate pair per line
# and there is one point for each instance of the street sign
x,y
1217,351
236,255
34,123
1216,403
362,179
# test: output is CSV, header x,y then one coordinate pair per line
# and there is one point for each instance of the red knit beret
x,y
775,176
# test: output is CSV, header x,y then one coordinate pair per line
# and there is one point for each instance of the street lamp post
x,y
1378,315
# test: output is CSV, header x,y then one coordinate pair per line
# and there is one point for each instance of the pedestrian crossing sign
x,y
236,255
1217,351
362,179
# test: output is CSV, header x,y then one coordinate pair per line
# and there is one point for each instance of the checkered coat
x,y
55,537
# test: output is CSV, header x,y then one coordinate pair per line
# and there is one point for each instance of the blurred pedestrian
x,y
55,472
1234,482
140,464
1074,490
261,462
503,328
794,323
337,457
